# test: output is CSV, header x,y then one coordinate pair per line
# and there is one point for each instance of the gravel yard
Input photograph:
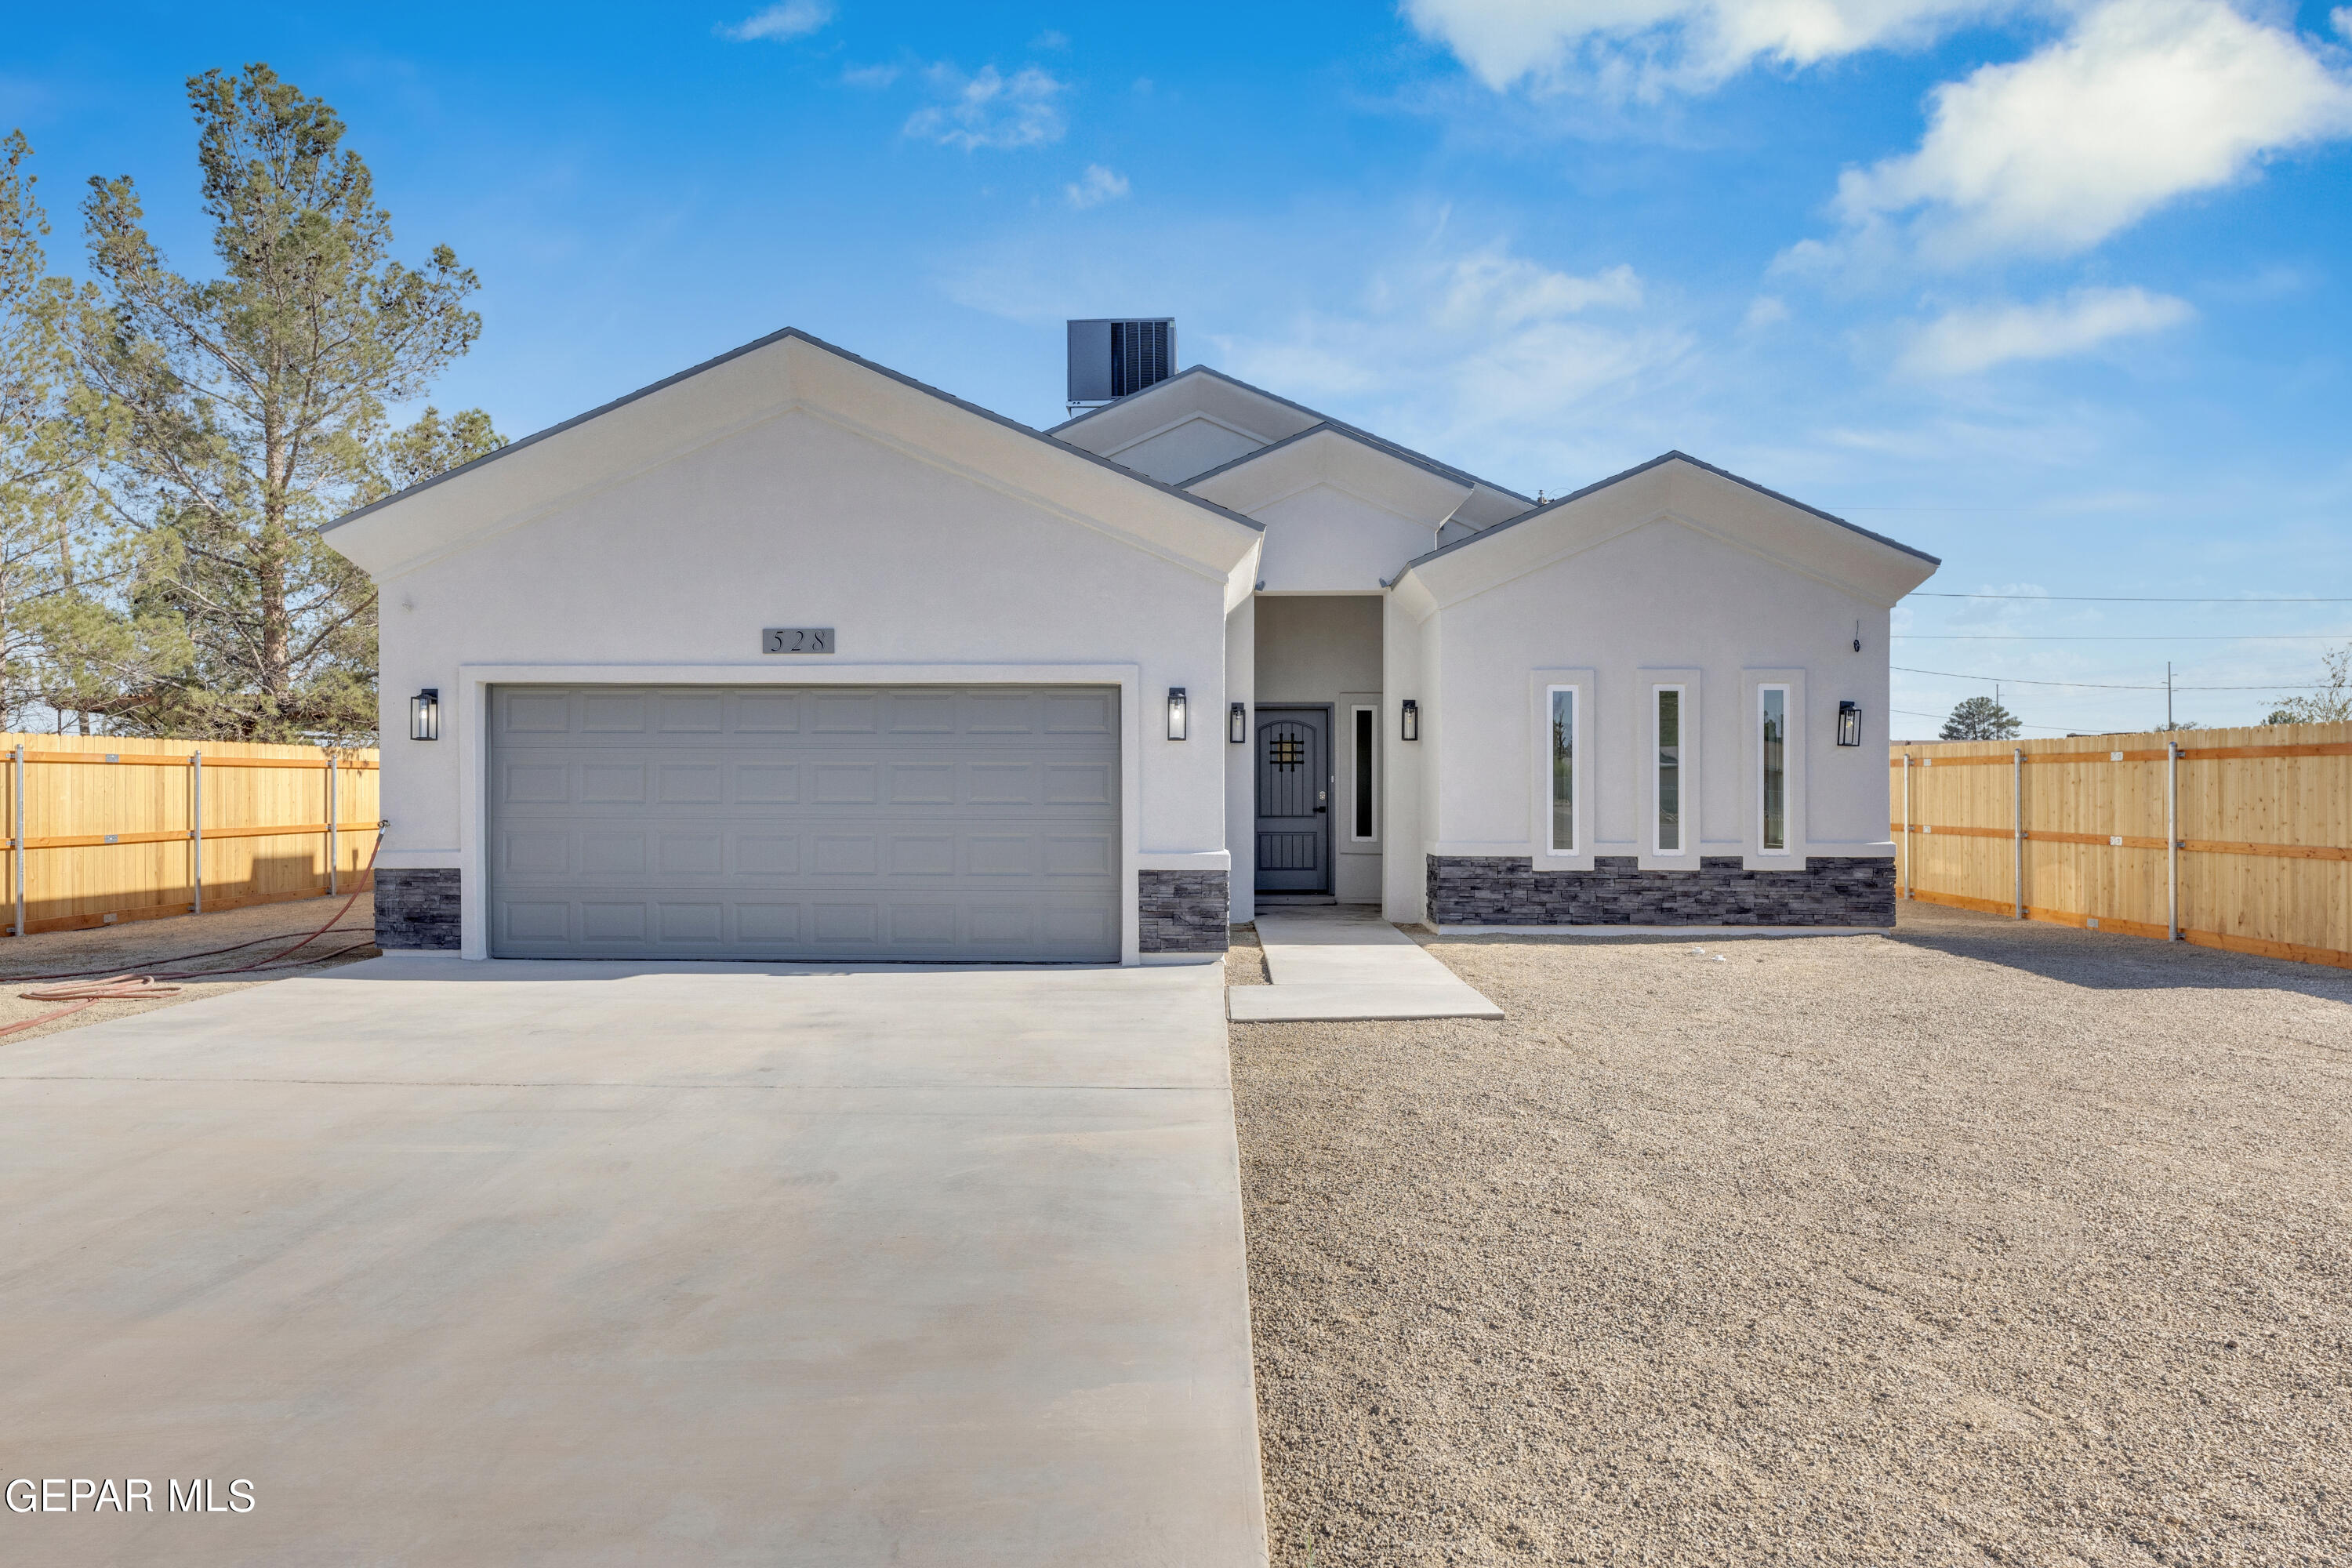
x,y
1979,1243
138,946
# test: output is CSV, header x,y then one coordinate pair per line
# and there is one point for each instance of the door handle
x,y
1321,809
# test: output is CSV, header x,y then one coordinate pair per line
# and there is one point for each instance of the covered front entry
x,y
922,823
1294,800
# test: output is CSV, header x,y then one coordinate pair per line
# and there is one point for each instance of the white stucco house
x,y
790,657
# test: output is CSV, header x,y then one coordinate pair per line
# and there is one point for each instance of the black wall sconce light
x,y
1849,731
425,715
1237,725
1412,731
1176,726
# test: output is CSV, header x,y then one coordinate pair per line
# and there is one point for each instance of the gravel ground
x,y
1976,1244
144,945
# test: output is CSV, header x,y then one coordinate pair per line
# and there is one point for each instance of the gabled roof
x,y
1639,468
792,333
1313,416
1673,486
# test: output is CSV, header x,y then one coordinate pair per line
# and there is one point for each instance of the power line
x,y
2085,636
1915,713
2130,599
2113,685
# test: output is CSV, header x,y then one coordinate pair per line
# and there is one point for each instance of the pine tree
x,y
254,409
52,439
1981,719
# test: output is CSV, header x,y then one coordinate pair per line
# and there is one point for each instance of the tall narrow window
x,y
1563,770
1363,780
1774,744
1670,770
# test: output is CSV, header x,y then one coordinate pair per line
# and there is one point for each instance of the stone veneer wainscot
x,y
1500,891
417,908
1183,911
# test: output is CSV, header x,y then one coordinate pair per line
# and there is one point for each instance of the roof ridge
x,y
1315,414
1671,454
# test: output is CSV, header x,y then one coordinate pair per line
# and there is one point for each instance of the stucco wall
x,y
1661,598
1323,539
1327,649
799,522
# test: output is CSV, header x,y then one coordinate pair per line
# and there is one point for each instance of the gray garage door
x,y
924,821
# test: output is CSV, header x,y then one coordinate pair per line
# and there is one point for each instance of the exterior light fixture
x,y
1237,723
425,715
1411,720
1849,724
1175,712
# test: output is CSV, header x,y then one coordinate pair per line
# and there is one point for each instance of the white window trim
x,y
1355,762
1541,683
1788,742
1580,771
1683,814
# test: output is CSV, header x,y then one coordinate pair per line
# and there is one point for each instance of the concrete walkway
x,y
1343,962
578,1263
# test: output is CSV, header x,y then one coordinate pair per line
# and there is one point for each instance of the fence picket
x,y
110,828
2254,826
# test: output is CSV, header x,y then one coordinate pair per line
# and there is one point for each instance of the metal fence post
x,y
2017,827
331,825
196,827
2173,840
17,843
1910,882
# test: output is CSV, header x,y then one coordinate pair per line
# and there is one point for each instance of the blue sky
x,y
2055,291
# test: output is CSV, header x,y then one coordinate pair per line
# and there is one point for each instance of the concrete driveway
x,y
628,1264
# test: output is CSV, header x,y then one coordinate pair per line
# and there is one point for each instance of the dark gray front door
x,y
1294,800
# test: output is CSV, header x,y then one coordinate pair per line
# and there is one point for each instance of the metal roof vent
x,y
1110,359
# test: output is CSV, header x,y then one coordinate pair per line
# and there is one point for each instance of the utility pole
x,y
2167,694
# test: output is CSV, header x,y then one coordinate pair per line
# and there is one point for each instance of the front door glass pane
x,y
1563,772
1670,771
1363,772
1776,768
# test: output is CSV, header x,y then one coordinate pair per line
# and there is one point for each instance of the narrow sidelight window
x,y
1364,772
1670,770
1774,739
1563,770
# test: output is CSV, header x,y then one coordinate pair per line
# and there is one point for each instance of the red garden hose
x,y
83,992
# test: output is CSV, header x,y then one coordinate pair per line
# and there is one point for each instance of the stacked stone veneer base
x,y
1182,912
1498,890
417,909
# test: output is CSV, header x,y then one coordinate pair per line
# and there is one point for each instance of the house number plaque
x,y
796,640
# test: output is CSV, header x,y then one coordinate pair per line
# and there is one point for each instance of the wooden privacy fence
x,y
101,829
2231,838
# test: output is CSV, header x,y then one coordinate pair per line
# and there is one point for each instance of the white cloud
x,y
1453,348
1096,187
1764,310
871,77
990,109
1051,38
1962,342
2143,101
2342,18
1642,46
792,19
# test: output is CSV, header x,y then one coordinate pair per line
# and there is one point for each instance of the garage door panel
x,y
610,713
766,784
605,855
931,823
691,714
541,712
